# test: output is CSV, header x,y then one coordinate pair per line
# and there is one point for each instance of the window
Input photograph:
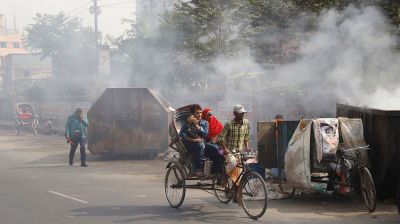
x,y
15,44
3,44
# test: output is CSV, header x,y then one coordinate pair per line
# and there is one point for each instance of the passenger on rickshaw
x,y
193,133
212,149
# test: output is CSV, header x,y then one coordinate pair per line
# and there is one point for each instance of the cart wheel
x,y
17,128
253,194
35,127
286,188
223,191
368,191
175,186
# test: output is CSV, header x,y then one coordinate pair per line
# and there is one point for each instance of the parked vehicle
x,y
318,152
25,118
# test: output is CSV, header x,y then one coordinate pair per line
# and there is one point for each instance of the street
x,y
38,186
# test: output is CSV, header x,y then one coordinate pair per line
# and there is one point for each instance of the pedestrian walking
x,y
75,133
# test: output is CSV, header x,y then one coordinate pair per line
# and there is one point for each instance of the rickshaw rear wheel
x,y
35,127
175,186
253,194
223,191
368,191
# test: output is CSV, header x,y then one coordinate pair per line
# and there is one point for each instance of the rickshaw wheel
x,y
16,129
34,127
175,186
253,194
368,191
223,191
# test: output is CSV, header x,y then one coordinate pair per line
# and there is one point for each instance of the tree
x,y
70,45
204,28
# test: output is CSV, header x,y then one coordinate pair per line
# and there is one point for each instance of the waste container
x,y
272,142
382,133
129,121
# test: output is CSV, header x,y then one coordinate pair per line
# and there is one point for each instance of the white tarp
x,y
326,133
352,132
297,158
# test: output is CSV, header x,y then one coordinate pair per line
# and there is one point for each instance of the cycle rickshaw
x,y
342,163
250,185
25,118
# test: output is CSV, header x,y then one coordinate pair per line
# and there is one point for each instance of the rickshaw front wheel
x,y
253,194
175,186
368,191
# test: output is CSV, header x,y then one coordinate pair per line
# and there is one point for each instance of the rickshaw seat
x,y
25,116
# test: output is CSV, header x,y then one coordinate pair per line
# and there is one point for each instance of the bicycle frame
x,y
358,165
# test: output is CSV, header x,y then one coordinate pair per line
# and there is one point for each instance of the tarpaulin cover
x,y
297,158
326,133
352,132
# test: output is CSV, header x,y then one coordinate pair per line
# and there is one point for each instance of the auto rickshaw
x,y
25,118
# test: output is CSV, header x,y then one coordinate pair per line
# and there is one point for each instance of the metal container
x,y
382,133
129,121
272,142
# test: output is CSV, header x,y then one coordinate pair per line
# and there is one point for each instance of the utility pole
x,y
95,10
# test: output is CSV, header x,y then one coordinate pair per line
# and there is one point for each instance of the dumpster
x,y
272,142
129,121
382,133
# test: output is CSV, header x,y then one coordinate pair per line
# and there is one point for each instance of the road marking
x,y
69,197
35,146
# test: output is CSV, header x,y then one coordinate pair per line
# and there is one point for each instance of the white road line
x,y
69,197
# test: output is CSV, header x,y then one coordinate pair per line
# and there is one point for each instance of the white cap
x,y
239,108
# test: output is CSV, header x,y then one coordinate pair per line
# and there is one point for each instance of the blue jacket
x,y
187,131
76,127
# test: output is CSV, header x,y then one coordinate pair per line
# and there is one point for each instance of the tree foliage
x,y
205,28
70,45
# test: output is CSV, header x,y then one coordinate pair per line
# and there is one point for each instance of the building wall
x,y
12,44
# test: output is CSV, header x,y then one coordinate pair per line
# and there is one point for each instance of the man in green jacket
x,y
75,133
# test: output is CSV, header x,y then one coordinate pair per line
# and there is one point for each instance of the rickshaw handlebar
x,y
360,147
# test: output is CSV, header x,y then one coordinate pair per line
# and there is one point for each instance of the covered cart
x,y
330,151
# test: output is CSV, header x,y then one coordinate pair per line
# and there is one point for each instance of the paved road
x,y
36,186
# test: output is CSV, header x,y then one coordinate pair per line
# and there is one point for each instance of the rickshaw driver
x,y
235,138
236,132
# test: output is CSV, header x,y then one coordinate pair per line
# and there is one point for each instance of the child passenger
x,y
193,142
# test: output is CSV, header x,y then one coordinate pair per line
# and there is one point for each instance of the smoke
x,y
351,57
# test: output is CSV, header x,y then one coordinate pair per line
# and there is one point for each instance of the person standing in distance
x,y
75,133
